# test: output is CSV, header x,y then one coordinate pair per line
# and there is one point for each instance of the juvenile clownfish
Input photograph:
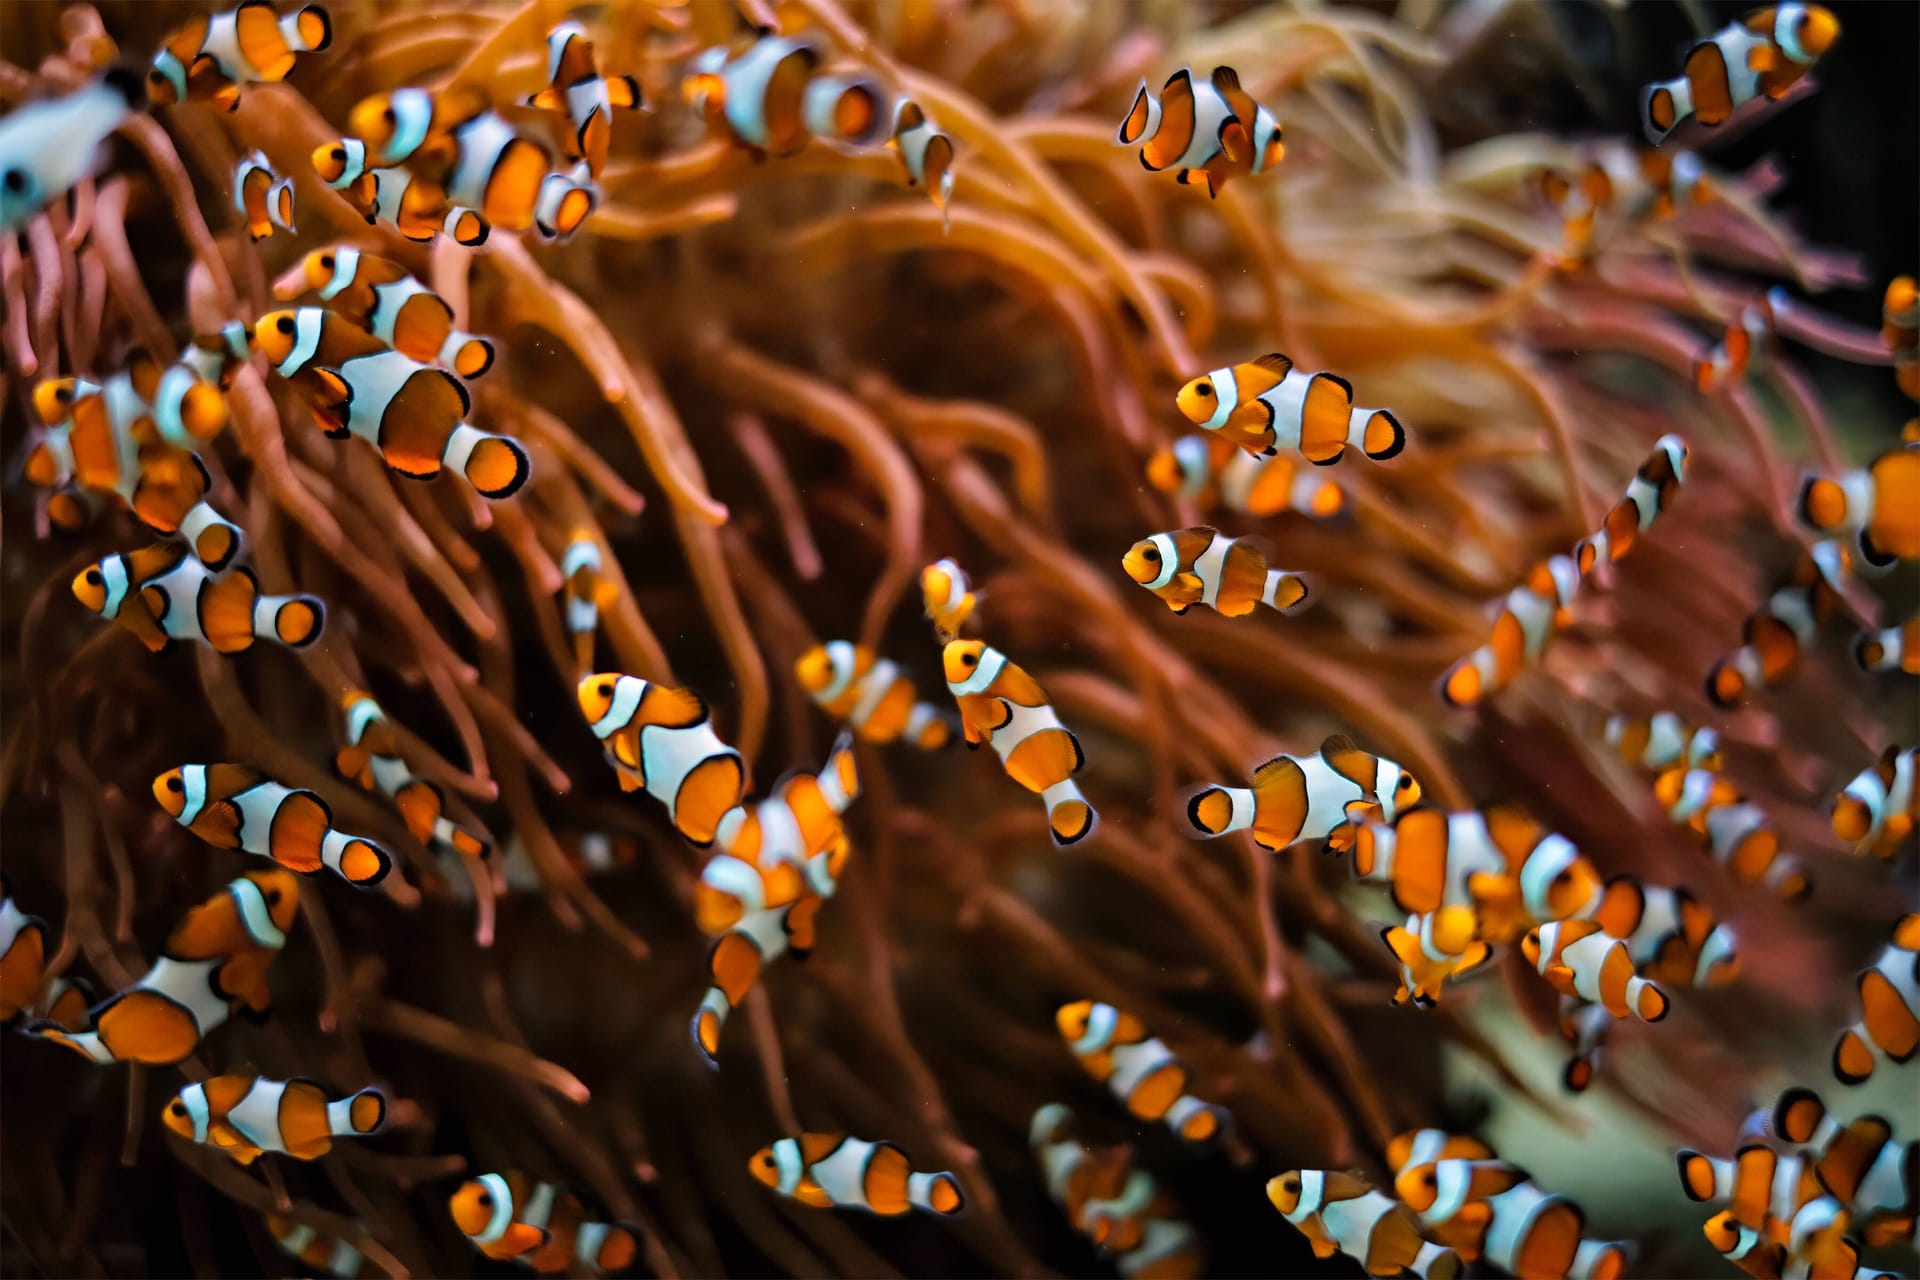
x,y
1638,184
1775,634
1900,330
245,1117
1206,131
234,806
1071,1170
48,147
1211,470
381,297
1743,349
1890,648
326,1255
261,196
417,208
1581,959
925,152
541,1226
359,386
870,694
1297,798
1879,506
1737,833
1879,808
1766,52
1670,937
586,592
215,960
1201,565
1138,1069
1579,199
1140,1228
1341,1213
1266,405
1860,1164
662,739
949,598
771,97
575,86
1889,1025
372,759
162,594
209,58
1002,705
1649,493
833,1171
23,957
1585,1027
1432,949
1661,741
1528,617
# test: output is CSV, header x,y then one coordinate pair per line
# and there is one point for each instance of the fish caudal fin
x,y
496,466
1435,1263
1214,811
214,539
363,1113
307,29
1663,105
358,861
294,621
226,609
1287,592
1376,433
606,1247
1069,816
466,355
936,1193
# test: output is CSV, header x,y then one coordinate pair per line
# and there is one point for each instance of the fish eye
x,y
285,325
15,180
486,1197
64,395
326,260
93,577
605,689
176,1107
1152,554
967,660
338,155
388,115
175,785
1430,1181
1204,389
273,897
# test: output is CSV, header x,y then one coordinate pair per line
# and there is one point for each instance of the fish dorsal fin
x,y
1275,363
1271,773
1226,80
1350,762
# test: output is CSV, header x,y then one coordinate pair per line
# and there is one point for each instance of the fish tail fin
x,y
214,539
1435,1263
1069,816
936,1193
1601,1260
294,621
362,1113
280,204
1376,433
420,804
1663,105
495,465
466,355
1216,810
307,29
1288,592
359,861
464,226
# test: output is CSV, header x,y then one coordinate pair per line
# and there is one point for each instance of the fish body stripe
x,y
1226,395
1729,824
845,660
1898,967
168,64
627,692
956,583
1287,403
307,322
502,1216
189,984
1210,112
1452,1178
1351,1223
1328,794
113,572
1102,1020
992,661
1515,1211
1425,1149
375,379
874,687
1022,723
667,756
1552,856
346,265
388,299
582,553
194,1099
1207,566
1169,560
843,1174
257,1115
1786,35
1133,1063
539,1210
790,1164
587,1241
175,382
481,139
747,78
222,44
1160,1239
780,838
1136,1195
258,806
1883,1188
255,916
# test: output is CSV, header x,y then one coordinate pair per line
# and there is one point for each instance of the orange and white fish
x,y
417,208
381,297
1670,937
214,961
924,150
771,96
1900,330
1341,1213
261,196
1206,131
1743,349
1138,1069
1746,1248
1213,472
575,86
735,961
833,1171
235,806
1651,491
870,694
162,594
541,1226
209,58
585,593
1266,405
1890,648
1661,741
1433,949
662,739
23,957
178,405
1737,833
1635,183
359,386
1297,798
1879,506
1775,634
1119,1207
49,146
372,759
245,1117
1766,52
1201,565
1860,1163
1889,1025
1758,1184
1586,1029
1527,618
1532,1232
1002,705
1581,959
326,1255
1879,809
949,598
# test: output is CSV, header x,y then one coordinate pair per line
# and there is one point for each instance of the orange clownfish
x,y
1737,833
234,806
1002,705
1213,471
1266,405
1432,949
1890,648
541,1226
372,759
1139,1069
736,958
1297,798
1585,1027
575,86
1766,1190
1860,1164
924,150
1206,131
833,1171
1201,565
381,297
770,853
1117,1206
1342,1213
1879,506
949,598
1447,1181
1775,634
162,594
870,694
209,58
23,957
324,1254
417,208
586,592
1649,494
1900,330
1743,349
247,1116
1581,959
1879,809
662,739
359,386
1670,937
1766,52
261,196
1661,741
1889,1025
215,959
770,97
1528,617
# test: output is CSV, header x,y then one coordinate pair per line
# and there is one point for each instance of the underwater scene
x,y
1098,638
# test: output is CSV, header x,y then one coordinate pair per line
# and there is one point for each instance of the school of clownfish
x,y
380,358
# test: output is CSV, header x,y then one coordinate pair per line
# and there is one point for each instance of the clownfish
x,y
1670,937
47,147
1002,705
381,297
1117,1206
662,739
418,209
245,1117
1585,1027
1206,131
1636,183
1889,1025
948,597
1879,808
147,404
23,957
584,594
234,806
870,694
1737,833
1661,741
1432,949
1890,648
324,1254
209,58
1758,1183
1743,349
162,594
1579,958
1900,330
541,1226
1860,1164
1529,615
1212,470
1879,505
1266,405
1201,565
770,853
833,1171
372,759
359,386
1766,52
261,196
1138,1069
924,150
1578,199
1297,798
1341,1213
215,960
1070,1169
736,958
1745,1247
575,86
771,98
1531,1232
1651,491
1773,636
